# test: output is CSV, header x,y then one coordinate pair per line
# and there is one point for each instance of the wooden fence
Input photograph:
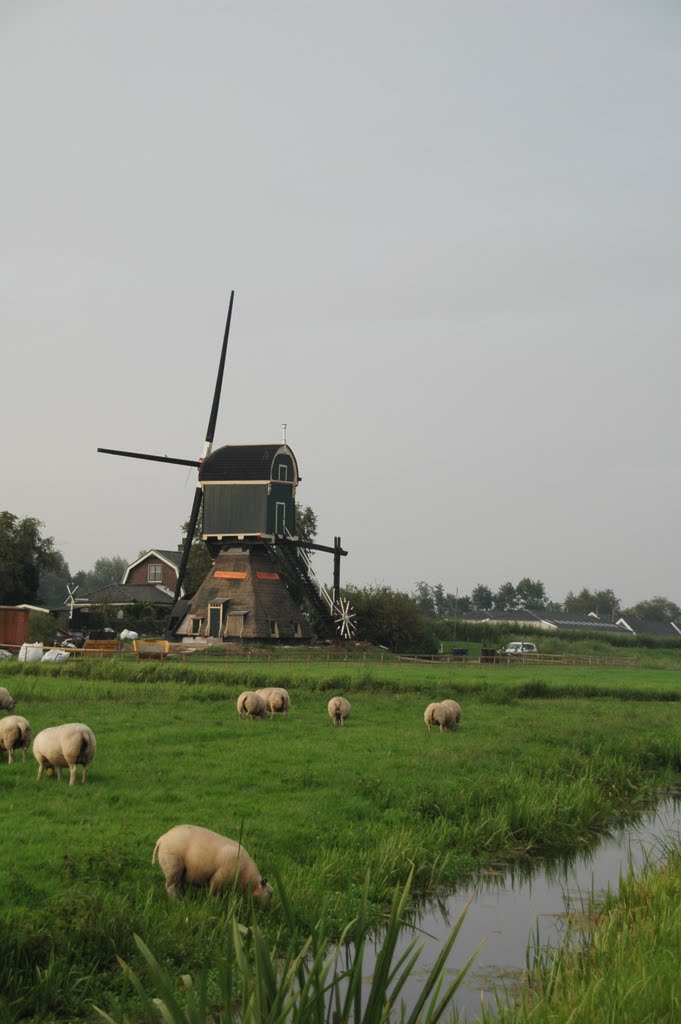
x,y
211,655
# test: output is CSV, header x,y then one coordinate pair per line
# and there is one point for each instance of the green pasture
x,y
542,762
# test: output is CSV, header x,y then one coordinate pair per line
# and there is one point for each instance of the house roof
x,y
244,462
561,620
496,615
574,620
172,558
650,627
125,593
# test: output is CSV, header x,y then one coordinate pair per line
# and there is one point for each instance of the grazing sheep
x,y
456,708
250,704
15,732
191,855
439,714
276,698
65,746
7,702
339,709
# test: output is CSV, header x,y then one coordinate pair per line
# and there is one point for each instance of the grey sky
x,y
453,232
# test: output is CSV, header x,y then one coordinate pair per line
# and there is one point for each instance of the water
x,y
513,905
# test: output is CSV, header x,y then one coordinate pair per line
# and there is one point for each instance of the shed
x,y
13,625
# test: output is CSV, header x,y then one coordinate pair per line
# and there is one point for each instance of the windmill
x,y
262,572
71,600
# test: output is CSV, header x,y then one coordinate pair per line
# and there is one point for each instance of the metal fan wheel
x,y
345,618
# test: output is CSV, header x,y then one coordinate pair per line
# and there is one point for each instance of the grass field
x,y
543,760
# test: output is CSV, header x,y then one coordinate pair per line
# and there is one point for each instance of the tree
x,y
306,522
506,598
482,598
200,560
391,618
424,600
434,602
24,555
530,594
52,590
104,572
603,602
659,608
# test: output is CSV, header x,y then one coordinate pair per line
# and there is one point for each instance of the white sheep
x,y
439,714
191,855
456,709
7,702
250,704
339,709
15,732
276,698
65,746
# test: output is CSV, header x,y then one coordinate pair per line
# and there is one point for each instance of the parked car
x,y
517,647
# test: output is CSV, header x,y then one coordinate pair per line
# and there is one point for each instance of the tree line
x,y
34,571
530,594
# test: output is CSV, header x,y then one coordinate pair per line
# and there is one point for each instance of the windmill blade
x,y
191,530
207,446
151,458
212,420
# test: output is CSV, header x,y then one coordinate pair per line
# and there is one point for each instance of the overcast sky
x,y
453,229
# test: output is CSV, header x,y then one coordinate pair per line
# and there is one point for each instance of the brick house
x,y
157,567
151,579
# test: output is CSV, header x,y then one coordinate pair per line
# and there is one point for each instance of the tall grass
x,y
300,979
625,971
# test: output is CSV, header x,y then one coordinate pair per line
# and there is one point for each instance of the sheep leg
x,y
40,768
174,871
85,768
72,774
10,755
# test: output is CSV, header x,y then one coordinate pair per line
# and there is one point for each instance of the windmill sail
x,y
207,448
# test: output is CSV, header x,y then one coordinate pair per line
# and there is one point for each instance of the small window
x,y
154,572
283,471
196,626
274,628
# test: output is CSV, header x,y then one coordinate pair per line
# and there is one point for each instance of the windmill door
x,y
280,518
214,619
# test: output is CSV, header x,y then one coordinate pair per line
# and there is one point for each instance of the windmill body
x,y
248,509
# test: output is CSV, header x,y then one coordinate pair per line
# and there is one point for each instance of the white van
x,y
520,648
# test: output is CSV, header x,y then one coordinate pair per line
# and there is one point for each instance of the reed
x,y
624,971
299,978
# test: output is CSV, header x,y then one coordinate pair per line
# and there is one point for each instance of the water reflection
x,y
529,899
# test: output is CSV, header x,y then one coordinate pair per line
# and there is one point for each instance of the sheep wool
x,y
15,733
456,709
276,698
7,702
251,704
339,710
65,746
440,715
191,855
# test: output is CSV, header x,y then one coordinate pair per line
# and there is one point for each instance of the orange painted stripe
x,y
267,575
230,575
